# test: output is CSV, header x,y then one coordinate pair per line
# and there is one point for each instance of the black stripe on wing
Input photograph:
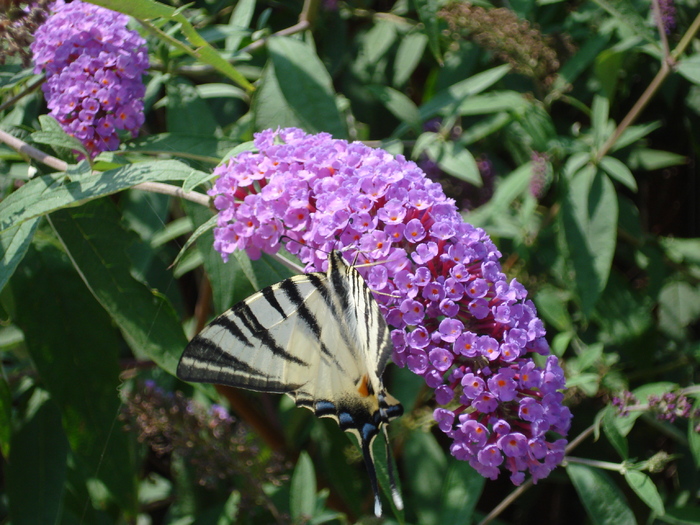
x,y
291,290
205,361
262,334
210,355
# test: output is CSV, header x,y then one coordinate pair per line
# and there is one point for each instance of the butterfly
x,y
318,337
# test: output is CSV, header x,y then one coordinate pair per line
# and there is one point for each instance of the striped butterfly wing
x,y
318,337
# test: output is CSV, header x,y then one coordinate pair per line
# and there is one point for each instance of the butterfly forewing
x,y
318,337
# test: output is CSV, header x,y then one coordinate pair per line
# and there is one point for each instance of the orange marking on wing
x,y
363,389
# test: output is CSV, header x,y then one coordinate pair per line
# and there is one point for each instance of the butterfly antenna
x,y
372,472
395,493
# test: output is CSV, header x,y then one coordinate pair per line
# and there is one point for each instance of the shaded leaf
x,y
423,454
307,86
241,16
69,336
408,56
690,68
36,467
14,243
270,107
48,193
603,501
94,237
589,216
302,494
611,431
646,490
619,171
461,491
187,112
5,414
187,145
398,104
427,13
378,40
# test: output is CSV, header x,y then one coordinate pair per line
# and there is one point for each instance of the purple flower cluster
x,y
667,12
217,447
456,320
538,180
666,407
93,67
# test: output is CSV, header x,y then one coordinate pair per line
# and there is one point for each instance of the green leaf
x,y
13,245
690,68
494,102
75,349
552,306
200,48
589,383
599,119
220,90
601,498
5,415
458,161
187,112
45,194
458,93
682,250
398,104
270,107
634,133
241,17
626,15
580,62
512,186
302,494
618,171
202,229
204,148
378,40
651,159
172,230
608,65
679,306
646,490
408,56
306,86
485,127
616,439
462,488
36,467
427,13
94,238
589,218
423,454
53,134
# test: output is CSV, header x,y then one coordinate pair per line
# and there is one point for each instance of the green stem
x,y
26,91
616,467
510,498
667,66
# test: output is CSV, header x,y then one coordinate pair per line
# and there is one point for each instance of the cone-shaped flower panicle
x,y
456,320
93,66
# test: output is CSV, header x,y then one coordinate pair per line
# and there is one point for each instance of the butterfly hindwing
x,y
319,337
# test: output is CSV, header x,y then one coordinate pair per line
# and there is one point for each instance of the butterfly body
x,y
319,338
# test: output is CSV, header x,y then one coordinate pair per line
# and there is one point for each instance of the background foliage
x,y
581,164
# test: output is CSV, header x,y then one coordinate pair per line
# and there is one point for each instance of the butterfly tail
x,y
372,472
395,493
